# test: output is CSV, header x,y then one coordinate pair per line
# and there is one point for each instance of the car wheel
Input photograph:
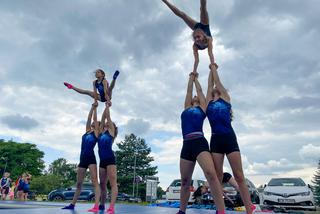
x,y
57,198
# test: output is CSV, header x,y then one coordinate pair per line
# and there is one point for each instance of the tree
x,y
45,183
160,192
130,150
316,186
67,172
18,158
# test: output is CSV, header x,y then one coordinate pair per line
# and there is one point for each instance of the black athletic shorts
x,y
108,161
192,148
224,143
226,177
85,161
5,190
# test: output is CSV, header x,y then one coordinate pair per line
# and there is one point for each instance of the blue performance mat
x,y
17,207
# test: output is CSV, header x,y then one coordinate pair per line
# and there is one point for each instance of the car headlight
x,y
267,193
305,193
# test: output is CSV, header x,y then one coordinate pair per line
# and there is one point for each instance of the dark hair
x,y
115,130
103,73
197,193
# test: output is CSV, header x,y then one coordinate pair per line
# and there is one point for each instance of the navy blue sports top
x,y
89,141
206,30
219,115
191,122
100,88
105,141
4,182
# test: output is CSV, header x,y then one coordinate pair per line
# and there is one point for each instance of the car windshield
x,y
286,182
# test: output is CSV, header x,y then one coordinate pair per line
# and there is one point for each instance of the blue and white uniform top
x,y
89,141
219,115
192,122
105,142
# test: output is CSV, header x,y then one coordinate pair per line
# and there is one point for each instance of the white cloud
x,y
310,152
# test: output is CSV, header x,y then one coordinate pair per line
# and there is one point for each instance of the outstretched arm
x,y
210,51
200,94
109,121
218,84
93,108
105,89
188,100
209,96
196,58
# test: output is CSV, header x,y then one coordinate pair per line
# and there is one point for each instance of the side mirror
x,y
69,188
309,186
264,186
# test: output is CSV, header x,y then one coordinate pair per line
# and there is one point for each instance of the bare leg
x,y
236,165
112,177
218,164
86,92
186,170
204,17
103,185
94,179
206,163
81,172
187,19
112,84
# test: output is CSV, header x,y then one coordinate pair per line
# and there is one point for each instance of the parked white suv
x,y
288,193
173,191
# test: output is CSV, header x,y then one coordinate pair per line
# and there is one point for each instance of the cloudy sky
x,y
268,53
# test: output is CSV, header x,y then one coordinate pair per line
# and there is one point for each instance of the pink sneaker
x,y
94,209
253,208
69,86
110,210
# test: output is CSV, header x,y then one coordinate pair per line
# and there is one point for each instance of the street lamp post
x,y
134,173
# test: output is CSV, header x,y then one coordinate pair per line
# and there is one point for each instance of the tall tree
x,y
45,183
133,156
316,185
18,158
68,172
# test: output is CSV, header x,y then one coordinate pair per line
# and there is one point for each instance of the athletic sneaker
x,y
69,207
180,212
69,86
253,208
110,210
116,74
95,208
101,207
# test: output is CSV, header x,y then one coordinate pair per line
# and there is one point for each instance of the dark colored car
x,y
235,196
61,194
126,197
123,197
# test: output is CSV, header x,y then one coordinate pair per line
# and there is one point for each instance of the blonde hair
x,y
206,40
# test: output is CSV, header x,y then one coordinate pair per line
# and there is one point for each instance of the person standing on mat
x,y
88,159
195,147
101,85
223,138
108,169
201,31
5,185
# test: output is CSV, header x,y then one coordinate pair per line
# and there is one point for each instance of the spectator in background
x,y
5,185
